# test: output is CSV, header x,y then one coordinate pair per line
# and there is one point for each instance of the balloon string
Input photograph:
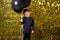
x,y
22,26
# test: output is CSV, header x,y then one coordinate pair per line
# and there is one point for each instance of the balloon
x,y
19,5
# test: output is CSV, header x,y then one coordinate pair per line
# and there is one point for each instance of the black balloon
x,y
19,5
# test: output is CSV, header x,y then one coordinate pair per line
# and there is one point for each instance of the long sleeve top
x,y
28,24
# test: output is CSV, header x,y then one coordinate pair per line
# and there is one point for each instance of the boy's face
x,y
27,14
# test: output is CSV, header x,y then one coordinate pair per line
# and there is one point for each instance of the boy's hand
x,y
32,31
21,20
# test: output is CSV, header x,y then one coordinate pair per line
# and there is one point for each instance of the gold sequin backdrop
x,y
47,20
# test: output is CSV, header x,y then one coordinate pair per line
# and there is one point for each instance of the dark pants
x,y
26,36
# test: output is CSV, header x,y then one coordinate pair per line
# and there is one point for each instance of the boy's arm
x,y
22,20
32,24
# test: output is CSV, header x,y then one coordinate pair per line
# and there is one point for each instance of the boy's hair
x,y
25,10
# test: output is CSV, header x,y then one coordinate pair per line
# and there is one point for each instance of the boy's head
x,y
26,13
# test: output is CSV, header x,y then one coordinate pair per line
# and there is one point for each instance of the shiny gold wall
x,y
47,20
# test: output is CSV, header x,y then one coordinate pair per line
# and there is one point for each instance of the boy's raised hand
x,y
32,31
21,20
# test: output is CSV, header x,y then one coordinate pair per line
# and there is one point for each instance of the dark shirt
x,y
28,24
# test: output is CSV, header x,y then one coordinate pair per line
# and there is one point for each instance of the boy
x,y
28,25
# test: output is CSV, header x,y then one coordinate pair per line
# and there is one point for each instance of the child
x,y
28,25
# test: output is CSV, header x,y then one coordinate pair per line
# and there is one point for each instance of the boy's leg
x,y
24,36
28,36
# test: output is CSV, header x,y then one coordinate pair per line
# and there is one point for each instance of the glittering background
x,y
47,20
